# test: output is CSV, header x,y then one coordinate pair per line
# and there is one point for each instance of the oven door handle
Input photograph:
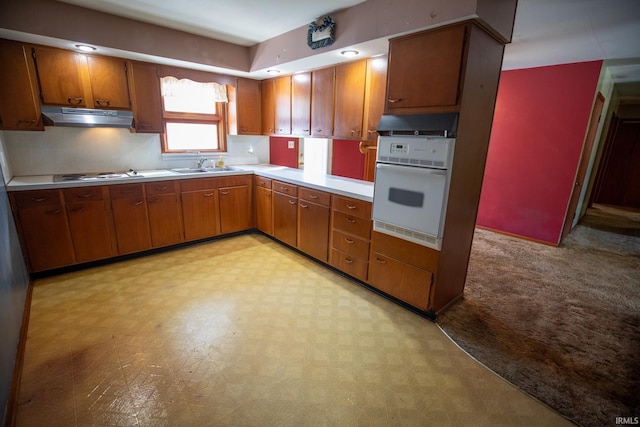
x,y
411,169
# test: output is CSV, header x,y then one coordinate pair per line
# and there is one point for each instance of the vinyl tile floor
x,y
245,332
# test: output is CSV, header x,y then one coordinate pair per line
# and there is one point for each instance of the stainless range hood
x,y
440,124
85,117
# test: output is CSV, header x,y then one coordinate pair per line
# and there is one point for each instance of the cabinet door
x,y
313,229
200,214
132,224
59,77
349,108
108,79
47,238
268,107
248,106
375,96
425,70
91,232
264,206
165,219
285,218
301,104
322,102
283,105
403,281
19,108
235,209
145,96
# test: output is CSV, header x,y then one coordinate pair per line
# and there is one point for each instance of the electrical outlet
x,y
292,145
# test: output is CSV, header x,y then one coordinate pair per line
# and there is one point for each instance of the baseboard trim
x,y
542,242
12,403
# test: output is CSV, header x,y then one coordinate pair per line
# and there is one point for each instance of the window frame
x,y
218,119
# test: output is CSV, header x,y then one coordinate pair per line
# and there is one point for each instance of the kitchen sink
x,y
204,170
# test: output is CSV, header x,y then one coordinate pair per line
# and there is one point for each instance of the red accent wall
x,y
539,126
280,153
347,160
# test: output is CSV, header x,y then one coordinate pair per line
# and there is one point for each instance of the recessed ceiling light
x,y
273,71
85,47
349,53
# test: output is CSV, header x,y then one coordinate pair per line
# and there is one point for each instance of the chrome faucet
x,y
201,162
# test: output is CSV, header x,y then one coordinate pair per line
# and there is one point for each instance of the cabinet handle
x,y
224,193
56,212
208,194
349,241
351,220
394,100
39,199
371,131
318,130
284,188
381,261
102,102
302,205
84,196
313,196
144,125
292,202
137,203
348,261
352,207
74,101
164,187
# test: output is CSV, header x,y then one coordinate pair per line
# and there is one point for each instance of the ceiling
x,y
546,32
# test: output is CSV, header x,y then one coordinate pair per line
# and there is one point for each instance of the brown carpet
x,y
561,323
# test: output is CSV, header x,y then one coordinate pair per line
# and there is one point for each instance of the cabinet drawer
x,y
285,188
349,264
197,184
233,181
315,196
262,182
160,187
413,254
355,207
403,281
350,245
31,199
83,194
126,190
351,224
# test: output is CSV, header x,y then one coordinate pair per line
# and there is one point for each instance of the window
x,y
193,115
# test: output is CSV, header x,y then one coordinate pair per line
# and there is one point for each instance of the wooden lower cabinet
x,y
263,205
44,229
313,223
90,223
403,269
285,218
235,209
200,208
350,235
130,218
165,220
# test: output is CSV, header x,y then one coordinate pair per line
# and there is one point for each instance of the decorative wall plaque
x,y
321,35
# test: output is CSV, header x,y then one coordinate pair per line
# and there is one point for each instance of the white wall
x,y
67,150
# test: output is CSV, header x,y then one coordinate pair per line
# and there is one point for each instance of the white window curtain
x,y
185,88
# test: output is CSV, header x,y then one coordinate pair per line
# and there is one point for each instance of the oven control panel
x,y
420,151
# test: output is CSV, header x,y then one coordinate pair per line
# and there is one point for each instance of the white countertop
x,y
355,188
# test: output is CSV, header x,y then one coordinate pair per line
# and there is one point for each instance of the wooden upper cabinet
x,y
349,105
245,108
108,79
71,79
19,107
425,71
268,107
59,77
301,104
322,102
145,98
282,87
375,96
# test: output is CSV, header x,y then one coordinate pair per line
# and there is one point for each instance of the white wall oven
x,y
413,171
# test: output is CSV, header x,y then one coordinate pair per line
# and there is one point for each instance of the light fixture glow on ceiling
x,y
349,53
273,71
85,47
